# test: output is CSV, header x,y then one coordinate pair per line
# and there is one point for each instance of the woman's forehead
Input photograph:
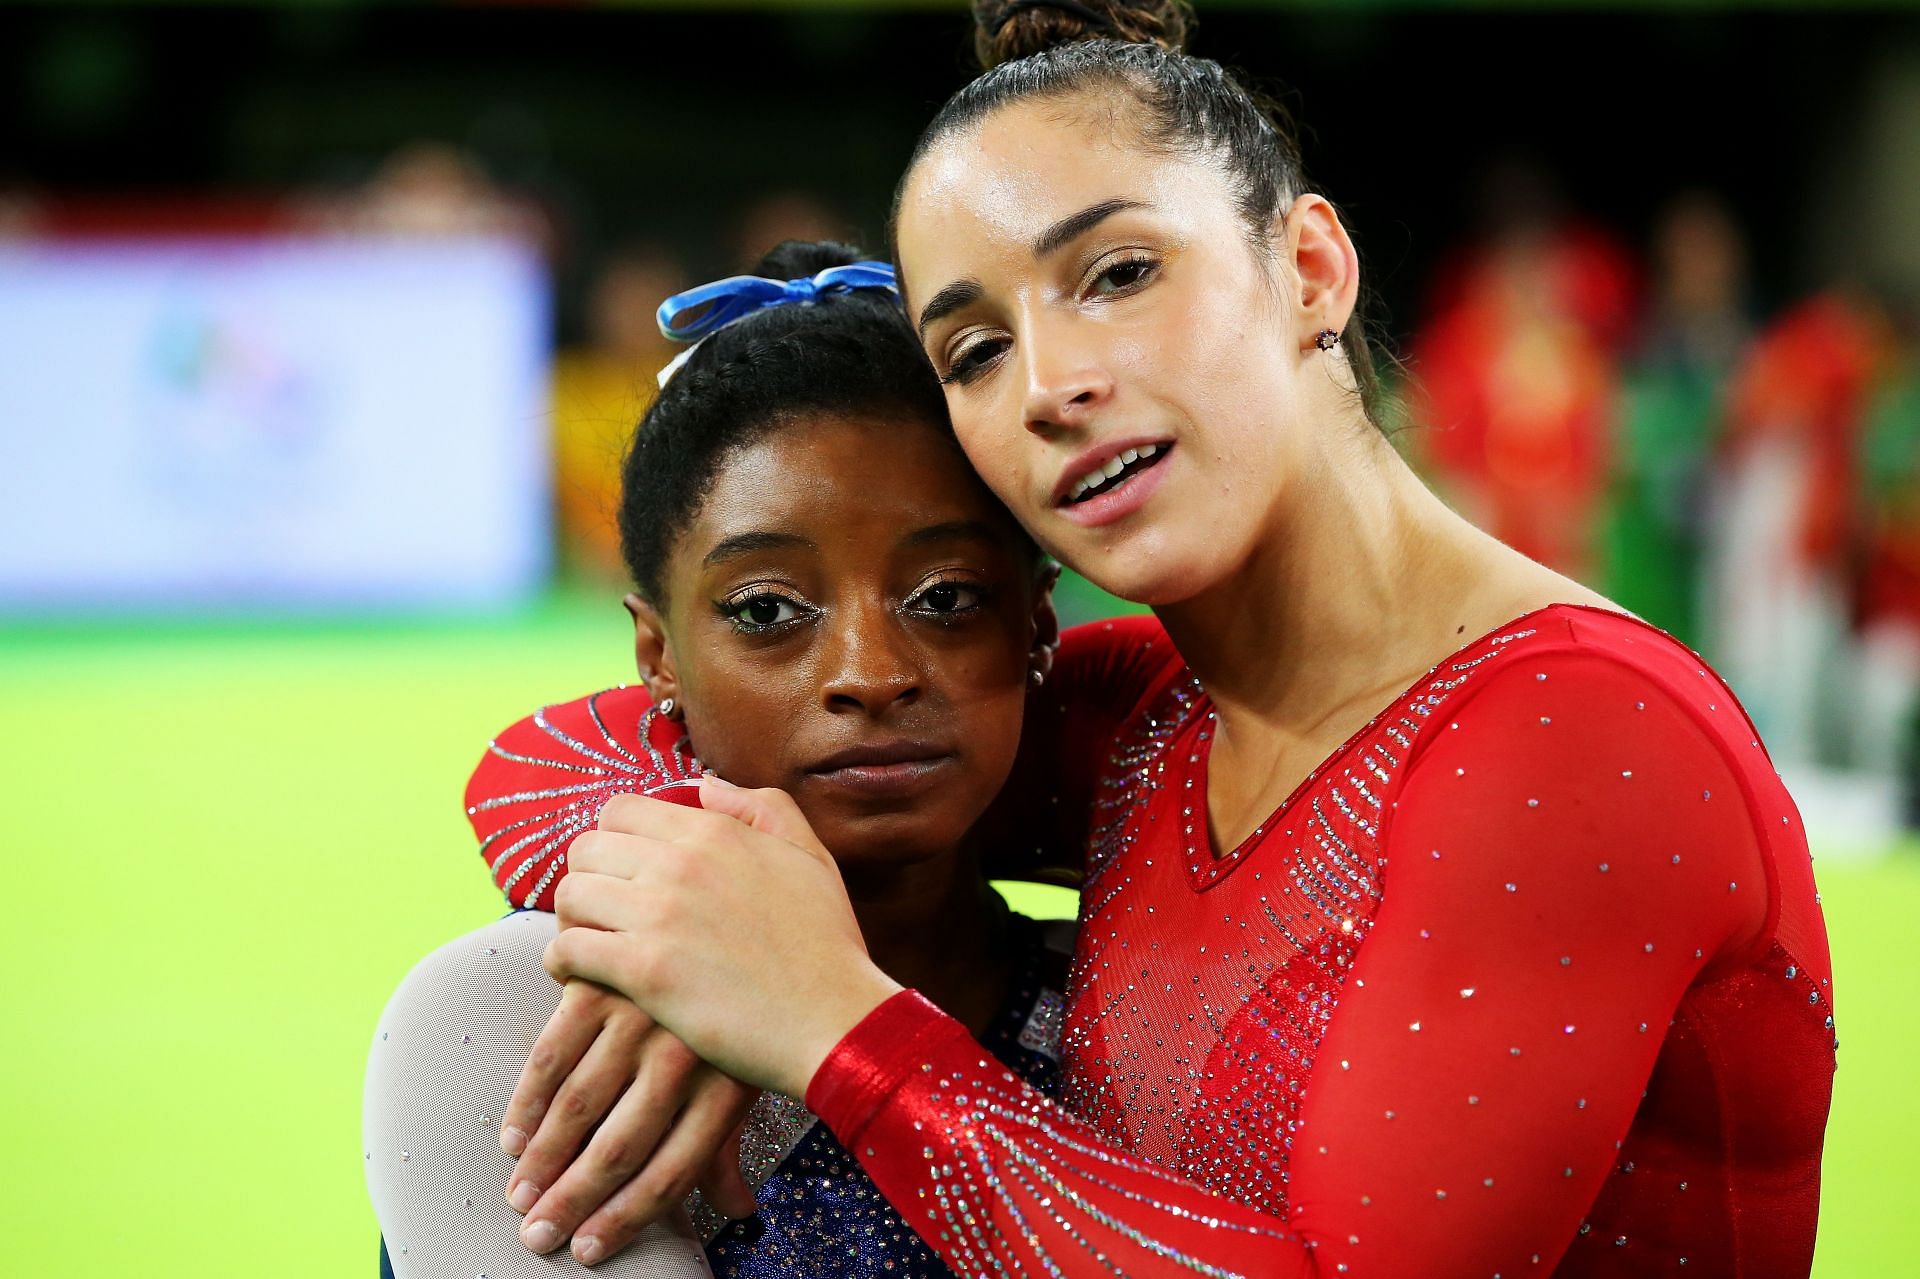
x,y
881,476
1003,169
996,185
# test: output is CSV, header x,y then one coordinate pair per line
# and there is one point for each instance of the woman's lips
x,y
887,781
1123,499
884,770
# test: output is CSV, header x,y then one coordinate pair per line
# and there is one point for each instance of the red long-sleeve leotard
x,y
1527,978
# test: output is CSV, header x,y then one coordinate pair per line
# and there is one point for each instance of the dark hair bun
x,y
795,259
1005,30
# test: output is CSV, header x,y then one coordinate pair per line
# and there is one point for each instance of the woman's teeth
x,y
1101,474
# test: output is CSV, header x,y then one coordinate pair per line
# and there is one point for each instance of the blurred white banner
x,y
283,422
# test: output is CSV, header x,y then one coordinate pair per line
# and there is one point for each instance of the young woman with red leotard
x,y
1439,919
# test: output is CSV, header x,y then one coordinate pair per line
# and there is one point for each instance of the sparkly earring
x,y
1326,339
668,706
1036,676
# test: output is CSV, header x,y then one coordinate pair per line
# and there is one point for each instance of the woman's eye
x,y
947,598
1122,276
757,612
974,359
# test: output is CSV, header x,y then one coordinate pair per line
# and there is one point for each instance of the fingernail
x,y
513,1141
540,1236
586,1251
714,779
524,1196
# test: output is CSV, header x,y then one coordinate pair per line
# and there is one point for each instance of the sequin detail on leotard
x,y
591,750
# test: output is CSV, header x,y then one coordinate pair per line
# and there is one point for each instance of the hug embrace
x,y
1437,918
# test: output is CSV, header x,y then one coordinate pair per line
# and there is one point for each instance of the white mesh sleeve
x,y
448,1051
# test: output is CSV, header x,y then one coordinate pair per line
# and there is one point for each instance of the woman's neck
x,y
1359,565
1361,582
938,927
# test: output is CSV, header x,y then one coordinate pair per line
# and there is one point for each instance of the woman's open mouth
x,y
1101,489
1117,470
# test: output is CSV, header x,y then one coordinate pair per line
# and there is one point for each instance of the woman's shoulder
x,y
1573,721
544,778
1593,647
1130,654
1569,684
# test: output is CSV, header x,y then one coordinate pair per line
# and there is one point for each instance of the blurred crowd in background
x,y
1723,438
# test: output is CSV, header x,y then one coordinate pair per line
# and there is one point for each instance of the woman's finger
x,y
711,1117
724,1182
572,1029
713,826
769,811
609,852
613,903
622,1146
618,961
586,1097
655,818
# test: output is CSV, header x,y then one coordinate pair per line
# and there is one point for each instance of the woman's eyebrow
x,y
1074,225
950,531
759,540
965,292
948,300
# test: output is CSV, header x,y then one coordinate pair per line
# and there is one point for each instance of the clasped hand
x,y
706,954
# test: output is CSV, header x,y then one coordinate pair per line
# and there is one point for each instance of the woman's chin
x,y
878,841
1148,562
1155,581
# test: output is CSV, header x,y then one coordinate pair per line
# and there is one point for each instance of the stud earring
x,y
1326,339
1036,676
668,706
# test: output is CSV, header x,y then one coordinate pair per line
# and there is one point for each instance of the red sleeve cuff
x,y
867,1068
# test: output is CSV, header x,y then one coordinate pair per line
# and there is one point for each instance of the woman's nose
x,y
871,668
1066,380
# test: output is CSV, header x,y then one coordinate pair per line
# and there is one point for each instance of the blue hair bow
x,y
725,301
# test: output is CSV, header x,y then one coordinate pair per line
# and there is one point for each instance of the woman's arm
x,y
546,779
448,1049
1554,921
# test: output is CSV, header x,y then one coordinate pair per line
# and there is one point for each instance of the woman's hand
x,y
730,926
666,1121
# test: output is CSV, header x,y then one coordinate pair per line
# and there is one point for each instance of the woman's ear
x,y
651,655
1046,625
1326,265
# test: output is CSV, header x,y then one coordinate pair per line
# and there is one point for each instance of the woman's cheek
x,y
988,666
744,756
997,461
